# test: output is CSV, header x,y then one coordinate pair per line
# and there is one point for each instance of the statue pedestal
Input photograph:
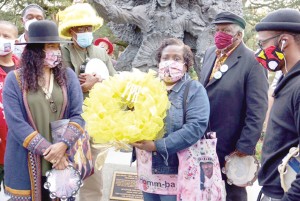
x,y
115,162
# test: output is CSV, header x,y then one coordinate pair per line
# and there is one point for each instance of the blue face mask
x,y
84,39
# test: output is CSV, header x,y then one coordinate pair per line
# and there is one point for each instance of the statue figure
x,y
144,24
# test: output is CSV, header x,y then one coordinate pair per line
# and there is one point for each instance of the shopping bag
x,y
199,174
162,184
80,153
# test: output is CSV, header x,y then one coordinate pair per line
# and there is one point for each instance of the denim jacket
x,y
180,135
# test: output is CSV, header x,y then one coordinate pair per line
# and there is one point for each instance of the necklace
x,y
79,55
48,94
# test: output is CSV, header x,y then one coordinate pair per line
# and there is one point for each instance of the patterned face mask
x,y
223,40
271,58
52,58
170,71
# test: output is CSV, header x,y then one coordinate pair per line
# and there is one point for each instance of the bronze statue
x,y
144,24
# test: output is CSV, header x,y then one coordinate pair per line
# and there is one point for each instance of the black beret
x,y
227,17
285,19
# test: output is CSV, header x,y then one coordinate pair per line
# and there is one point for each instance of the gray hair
x,y
236,28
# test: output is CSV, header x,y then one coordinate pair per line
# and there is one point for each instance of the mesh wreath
x,y
129,107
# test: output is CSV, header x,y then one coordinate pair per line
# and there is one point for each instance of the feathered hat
x,y
206,159
79,14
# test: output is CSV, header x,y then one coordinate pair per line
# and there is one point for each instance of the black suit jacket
x,y
238,101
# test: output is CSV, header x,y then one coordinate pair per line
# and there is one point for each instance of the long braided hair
x,y
154,5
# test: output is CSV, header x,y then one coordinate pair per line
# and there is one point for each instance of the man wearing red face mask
x,y
279,41
237,89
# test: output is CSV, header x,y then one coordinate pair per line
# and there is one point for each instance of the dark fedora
x,y
43,31
285,19
227,17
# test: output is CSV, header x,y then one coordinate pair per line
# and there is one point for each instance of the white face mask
x,y
6,46
27,23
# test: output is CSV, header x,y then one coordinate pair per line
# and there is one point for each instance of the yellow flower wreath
x,y
129,107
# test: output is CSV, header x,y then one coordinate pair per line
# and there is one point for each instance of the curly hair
x,y
188,55
32,63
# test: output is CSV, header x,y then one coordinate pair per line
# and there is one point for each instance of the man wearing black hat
x,y
237,89
279,41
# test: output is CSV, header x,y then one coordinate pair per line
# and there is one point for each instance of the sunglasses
x,y
53,106
82,29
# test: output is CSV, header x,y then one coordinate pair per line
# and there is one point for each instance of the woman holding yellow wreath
x,y
185,123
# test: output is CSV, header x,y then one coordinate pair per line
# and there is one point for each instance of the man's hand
x,y
55,152
147,145
87,81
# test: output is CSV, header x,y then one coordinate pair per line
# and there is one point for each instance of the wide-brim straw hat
x,y
43,31
80,14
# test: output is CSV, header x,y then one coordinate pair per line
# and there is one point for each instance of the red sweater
x,y
3,126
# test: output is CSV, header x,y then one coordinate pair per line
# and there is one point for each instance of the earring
x,y
282,44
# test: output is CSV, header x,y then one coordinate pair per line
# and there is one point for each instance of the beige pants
x,y
92,188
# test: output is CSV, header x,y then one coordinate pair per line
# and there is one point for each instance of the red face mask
x,y
223,40
271,58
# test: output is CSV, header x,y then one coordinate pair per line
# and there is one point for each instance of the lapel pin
x,y
217,75
224,68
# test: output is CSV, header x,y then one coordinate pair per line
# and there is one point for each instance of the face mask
x,y
28,22
52,58
271,58
223,40
170,71
84,39
6,46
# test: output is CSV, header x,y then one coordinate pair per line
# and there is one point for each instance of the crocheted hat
x,y
106,40
79,14
285,19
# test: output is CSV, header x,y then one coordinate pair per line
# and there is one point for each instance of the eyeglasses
x,y
83,29
52,104
261,42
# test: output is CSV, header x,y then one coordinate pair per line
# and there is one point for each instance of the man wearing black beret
x,y
237,89
279,41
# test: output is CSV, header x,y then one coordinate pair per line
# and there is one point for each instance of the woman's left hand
x,y
62,164
55,152
147,145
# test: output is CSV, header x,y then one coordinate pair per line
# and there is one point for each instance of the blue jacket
x,y
25,144
180,135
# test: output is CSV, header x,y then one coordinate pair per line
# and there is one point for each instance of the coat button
x,y
154,153
155,170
